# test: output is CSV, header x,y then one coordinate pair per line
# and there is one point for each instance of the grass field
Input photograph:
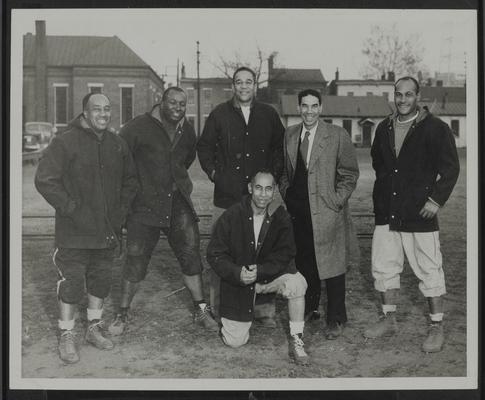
x,y
162,342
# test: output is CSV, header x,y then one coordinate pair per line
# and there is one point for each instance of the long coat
x,y
332,176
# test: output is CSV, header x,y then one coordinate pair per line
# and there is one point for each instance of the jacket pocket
x,y
82,221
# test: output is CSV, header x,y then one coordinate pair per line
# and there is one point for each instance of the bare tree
x,y
227,66
388,51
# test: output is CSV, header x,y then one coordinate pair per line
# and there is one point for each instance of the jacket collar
x,y
234,103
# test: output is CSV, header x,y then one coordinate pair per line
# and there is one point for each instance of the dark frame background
x,y
7,5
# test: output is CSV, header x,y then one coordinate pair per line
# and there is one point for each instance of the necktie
x,y
304,147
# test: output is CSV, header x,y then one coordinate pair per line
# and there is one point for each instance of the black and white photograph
x,y
266,199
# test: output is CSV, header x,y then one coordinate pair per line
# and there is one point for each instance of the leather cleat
x,y
203,317
67,347
297,350
95,337
386,325
118,326
434,341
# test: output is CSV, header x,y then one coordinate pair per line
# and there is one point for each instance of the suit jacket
x,y
332,177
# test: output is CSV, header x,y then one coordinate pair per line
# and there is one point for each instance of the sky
x,y
319,38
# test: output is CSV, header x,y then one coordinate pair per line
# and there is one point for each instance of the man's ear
x,y
250,188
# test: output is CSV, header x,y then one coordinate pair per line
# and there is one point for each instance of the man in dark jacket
x,y
416,163
252,250
163,146
240,137
87,174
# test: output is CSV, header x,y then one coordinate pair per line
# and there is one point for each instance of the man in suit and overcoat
x,y
321,172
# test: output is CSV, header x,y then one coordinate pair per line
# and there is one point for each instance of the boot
x,y
67,347
386,325
95,336
434,341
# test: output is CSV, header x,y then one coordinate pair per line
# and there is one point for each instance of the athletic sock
x,y
296,327
66,325
438,317
94,313
201,304
387,308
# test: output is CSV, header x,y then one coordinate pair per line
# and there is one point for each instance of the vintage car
x,y
37,135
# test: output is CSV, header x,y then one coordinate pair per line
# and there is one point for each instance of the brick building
x,y
213,91
58,71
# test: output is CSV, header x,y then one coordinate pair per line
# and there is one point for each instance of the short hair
x,y
172,89
309,92
408,78
86,98
243,69
263,171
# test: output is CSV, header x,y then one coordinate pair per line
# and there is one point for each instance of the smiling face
x,y
406,98
243,87
262,189
174,106
98,112
310,109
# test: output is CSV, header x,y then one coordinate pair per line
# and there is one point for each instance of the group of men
x,y
261,245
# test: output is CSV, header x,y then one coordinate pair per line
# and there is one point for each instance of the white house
x,y
364,87
359,115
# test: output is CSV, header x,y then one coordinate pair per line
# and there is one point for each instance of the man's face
x,y
310,109
98,112
262,190
243,87
174,106
406,98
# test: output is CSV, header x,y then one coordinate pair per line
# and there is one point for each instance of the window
x,y
227,93
455,127
328,120
369,94
207,95
350,93
190,96
126,102
347,125
95,87
60,102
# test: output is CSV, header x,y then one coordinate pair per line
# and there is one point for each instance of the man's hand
x,y
429,210
249,274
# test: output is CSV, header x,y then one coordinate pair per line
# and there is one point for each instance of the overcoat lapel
x,y
319,143
292,144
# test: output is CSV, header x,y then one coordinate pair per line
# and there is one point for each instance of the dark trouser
x,y
306,263
183,237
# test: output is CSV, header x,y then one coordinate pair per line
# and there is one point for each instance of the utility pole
x,y
198,90
178,78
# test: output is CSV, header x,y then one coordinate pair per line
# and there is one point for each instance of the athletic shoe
x,y
67,347
297,350
117,327
334,330
435,339
95,336
203,317
386,325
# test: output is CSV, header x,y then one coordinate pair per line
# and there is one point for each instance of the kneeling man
x,y
252,249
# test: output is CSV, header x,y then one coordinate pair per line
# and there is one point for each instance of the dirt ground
x,y
162,342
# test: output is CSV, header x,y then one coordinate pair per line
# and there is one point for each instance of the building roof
x,y
342,106
363,82
453,94
68,51
297,75
225,81
436,108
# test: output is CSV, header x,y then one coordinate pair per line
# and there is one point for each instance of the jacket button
x,y
250,218
395,170
238,167
166,217
247,133
392,216
249,310
394,193
247,154
247,177
251,243
170,195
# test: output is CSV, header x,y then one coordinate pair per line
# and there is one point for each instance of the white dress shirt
x,y
310,140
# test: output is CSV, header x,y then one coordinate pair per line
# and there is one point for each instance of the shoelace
x,y
201,314
299,345
68,336
96,325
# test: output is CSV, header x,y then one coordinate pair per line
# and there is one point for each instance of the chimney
x,y
337,75
40,71
439,83
183,70
270,66
443,103
390,76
